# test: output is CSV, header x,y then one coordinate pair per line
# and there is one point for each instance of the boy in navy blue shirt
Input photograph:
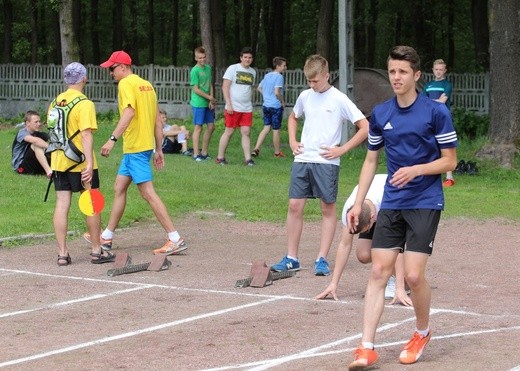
x,y
419,140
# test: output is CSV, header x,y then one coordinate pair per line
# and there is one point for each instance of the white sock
x,y
423,332
292,257
367,345
107,234
174,236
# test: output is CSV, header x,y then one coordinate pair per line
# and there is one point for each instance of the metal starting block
x,y
123,265
262,276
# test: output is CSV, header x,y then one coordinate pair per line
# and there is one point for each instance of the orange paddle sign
x,y
91,201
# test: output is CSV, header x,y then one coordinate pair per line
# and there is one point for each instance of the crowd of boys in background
x,y
398,214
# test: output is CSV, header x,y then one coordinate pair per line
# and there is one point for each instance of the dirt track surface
x,y
191,317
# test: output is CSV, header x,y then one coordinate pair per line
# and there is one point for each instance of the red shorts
x,y
238,119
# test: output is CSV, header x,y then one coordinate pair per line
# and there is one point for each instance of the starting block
x,y
261,276
123,265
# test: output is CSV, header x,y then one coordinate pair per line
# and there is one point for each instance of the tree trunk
x,y
371,34
95,31
33,13
134,39
479,18
117,22
324,28
217,26
69,44
205,29
175,31
151,33
8,31
504,47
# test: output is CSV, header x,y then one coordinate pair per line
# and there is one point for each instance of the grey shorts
x,y
312,180
409,230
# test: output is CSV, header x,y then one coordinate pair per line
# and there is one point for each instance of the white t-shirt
x,y
374,194
241,89
324,116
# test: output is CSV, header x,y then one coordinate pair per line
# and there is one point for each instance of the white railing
x,y
24,86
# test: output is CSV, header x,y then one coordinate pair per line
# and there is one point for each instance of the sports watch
x,y
113,138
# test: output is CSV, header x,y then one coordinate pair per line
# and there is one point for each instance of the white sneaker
x,y
390,288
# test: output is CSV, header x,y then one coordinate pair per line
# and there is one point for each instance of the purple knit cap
x,y
74,73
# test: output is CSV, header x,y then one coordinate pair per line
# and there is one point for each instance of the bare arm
x,y
365,179
292,128
226,85
158,158
358,138
87,140
344,248
447,162
39,142
122,125
279,96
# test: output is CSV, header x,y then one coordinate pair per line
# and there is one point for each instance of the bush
x,y
469,125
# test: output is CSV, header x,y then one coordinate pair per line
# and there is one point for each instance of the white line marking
x,y
69,302
133,333
225,292
266,364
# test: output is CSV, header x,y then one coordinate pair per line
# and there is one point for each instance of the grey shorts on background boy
x,y
311,180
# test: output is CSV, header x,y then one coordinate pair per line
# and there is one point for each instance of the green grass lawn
x,y
258,193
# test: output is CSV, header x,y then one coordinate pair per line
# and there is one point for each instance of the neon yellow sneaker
x,y
363,358
413,349
171,248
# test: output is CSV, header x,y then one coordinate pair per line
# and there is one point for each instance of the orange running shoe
x,y
279,154
171,248
363,358
413,349
448,183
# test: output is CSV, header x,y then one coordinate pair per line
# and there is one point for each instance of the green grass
x,y
254,194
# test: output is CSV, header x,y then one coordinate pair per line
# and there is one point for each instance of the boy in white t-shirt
x,y
237,87
395,288
315,171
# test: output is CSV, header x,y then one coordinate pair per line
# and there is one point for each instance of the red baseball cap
x,y
120,57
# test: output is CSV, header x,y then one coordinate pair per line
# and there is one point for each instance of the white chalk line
x,y
269,298
70,302
316,352
133,333
225,292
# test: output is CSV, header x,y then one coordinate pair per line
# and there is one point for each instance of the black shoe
x,y
461,167
471,168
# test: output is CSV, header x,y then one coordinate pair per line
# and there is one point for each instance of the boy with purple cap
x,y
69,178
141,128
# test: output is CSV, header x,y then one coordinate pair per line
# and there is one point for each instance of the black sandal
x,y
64,259
103,257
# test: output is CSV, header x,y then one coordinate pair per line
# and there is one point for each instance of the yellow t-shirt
x,y
82,117
139,94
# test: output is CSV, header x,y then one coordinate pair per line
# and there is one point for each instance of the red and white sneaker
x,y
448,183
363,358
413,349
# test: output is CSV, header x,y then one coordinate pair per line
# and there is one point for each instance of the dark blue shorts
x,y
273,117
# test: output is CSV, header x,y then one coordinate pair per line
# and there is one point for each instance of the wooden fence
x,y
25,86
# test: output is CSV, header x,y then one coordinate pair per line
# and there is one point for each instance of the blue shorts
x,y
273,117
137,166
203,115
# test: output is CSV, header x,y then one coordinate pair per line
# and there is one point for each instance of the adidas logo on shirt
x,y
388,126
